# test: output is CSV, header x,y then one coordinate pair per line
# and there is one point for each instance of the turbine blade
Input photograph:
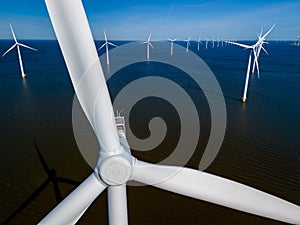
x,y
264,50
256,62
13,33
105,38
239,44
27,201
149,37
102,46
81,57
41,158
75,203
67,181
214,189
25,46
9,50
266,34
111,44
117,205
150,45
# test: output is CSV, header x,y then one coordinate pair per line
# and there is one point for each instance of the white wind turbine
x,y
172,45
254,49
116,165
18,44
148,43
198,44
188,44
213,42
106,44
206,43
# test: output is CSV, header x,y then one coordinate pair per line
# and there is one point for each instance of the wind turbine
x,y
188,43
106,44
255,48
198,43
172,45
213,42
148,43
206,43
116,166
18,44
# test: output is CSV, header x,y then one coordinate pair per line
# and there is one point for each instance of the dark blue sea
x,y
261,146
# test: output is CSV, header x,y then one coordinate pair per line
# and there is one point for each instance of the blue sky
x,y
134,20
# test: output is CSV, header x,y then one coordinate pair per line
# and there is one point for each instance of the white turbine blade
x,y
256,61
218,190
150,45
149,37
80,54
69,210
239,44
117,205
9,49
26,46
264,50
266,34
105,36
13,33
102,46
109,43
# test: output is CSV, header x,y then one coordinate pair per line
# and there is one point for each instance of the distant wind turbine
x,y
17,44
188,44
206,43
198,43
172,45
148,43
106,44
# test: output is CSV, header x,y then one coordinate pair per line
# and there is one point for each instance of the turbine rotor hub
x,y
115,170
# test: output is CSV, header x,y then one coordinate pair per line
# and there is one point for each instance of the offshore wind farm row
x,y
206,43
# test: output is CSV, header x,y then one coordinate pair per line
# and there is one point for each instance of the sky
x,y
135,20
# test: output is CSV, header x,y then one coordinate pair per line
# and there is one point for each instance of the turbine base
x,y
244,99
23,75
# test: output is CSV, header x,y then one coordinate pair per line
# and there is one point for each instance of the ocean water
x,y
261,145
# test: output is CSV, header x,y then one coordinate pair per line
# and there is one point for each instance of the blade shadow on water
x,y
51,173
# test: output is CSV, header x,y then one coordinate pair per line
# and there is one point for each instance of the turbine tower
x,y
116,166
106,44
18,44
